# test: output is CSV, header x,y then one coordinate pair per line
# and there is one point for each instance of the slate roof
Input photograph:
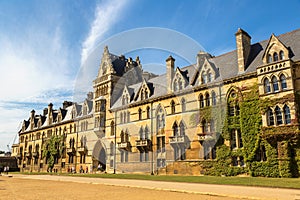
x,y
226,64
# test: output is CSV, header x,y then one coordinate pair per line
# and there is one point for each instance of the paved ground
x,y
176,190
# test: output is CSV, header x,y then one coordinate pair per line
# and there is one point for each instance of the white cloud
x,y
106,15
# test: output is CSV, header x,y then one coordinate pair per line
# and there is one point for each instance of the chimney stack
x,y
243,47
170,72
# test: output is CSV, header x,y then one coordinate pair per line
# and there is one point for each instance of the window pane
x,y
275,84
283,82
287,115
278,115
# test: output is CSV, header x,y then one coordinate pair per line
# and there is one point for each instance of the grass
x,y
244,181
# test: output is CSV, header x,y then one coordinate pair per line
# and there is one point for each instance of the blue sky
x,y
45,42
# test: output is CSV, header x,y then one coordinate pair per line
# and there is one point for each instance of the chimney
x,y
67,104
32,114
170,72
89,96
201,57
243,47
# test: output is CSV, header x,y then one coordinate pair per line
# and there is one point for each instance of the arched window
x,y
122,135
112,128
278,115
201,99
121,117
183,105
204,127
209,77
146,132
207,99
275,56
112,148
148,112
204,78
179,84
213,98
126,136
142,134
267,85
172,107
269,58
146,93
283,82
182,129
270,117
287,114
175,86
140,113
281,55
175,129
275,84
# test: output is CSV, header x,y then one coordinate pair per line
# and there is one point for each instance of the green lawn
x,y
246,181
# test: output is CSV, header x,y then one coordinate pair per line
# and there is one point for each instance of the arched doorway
x,y
99,156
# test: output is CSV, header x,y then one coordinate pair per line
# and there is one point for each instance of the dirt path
x,y
72,187
23,188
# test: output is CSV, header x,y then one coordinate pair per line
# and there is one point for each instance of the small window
x,y
283,82
175,129
204,78
209,77
275,56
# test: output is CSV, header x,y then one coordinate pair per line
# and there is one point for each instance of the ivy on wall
x,y
52,149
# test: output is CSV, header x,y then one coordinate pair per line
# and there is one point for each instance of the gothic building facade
x,y
236,113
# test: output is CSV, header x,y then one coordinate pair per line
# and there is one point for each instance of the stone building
x,y
236,113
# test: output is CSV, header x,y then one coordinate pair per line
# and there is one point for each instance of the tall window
x,y
148,112
172,107
142,134
112,128
201,99
267,85
270,117
278,115
205,127
236,139
283,82
182,129
287,115
140,113
183,105
209,77
275,84
207,99
175,129
213,98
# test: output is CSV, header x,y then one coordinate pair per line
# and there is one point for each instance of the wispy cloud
x,y
107,14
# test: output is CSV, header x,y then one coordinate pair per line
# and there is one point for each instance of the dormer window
x,y
281,55
125,99
275,57
270,58
178,82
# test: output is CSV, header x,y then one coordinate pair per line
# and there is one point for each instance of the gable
x,y
275,50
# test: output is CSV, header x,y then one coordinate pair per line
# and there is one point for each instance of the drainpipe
x,y
115,146
152,136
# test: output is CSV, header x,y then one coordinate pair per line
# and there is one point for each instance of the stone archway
x,y
99,156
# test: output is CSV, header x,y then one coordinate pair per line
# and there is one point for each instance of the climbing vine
x,y
52,149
